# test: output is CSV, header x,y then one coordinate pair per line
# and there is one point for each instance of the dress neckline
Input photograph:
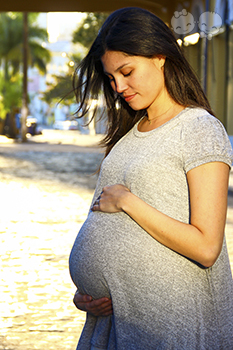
x,y
148,133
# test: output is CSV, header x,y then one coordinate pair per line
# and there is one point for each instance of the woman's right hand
x,y
97,307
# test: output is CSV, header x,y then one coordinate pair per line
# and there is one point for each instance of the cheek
x,y
142,81
151,82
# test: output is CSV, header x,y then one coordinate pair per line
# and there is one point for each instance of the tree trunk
x,y
24,113
6,69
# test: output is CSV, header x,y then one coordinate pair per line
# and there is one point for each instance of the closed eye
x,y
127,75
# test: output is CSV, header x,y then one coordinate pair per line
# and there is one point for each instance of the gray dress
x,y
161,299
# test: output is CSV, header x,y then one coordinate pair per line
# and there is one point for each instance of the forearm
x,y
185,239
201,240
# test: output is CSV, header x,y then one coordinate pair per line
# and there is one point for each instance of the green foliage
x,y
38,56
61,90
11,94
89,28
11,55
11,43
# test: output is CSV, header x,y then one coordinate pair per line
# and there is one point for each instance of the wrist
x,y
125,201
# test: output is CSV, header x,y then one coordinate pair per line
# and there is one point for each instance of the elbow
x,y
208,263
209,257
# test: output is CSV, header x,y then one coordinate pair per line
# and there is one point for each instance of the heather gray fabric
x,y
161,300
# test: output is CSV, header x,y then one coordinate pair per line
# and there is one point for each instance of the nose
x,y
119,85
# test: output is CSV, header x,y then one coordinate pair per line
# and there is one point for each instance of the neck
x,y
159,115
148,123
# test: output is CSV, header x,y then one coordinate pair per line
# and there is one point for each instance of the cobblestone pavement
x,y
45,192
46,189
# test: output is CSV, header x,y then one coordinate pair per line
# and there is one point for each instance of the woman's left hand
x,y
111,199
97,307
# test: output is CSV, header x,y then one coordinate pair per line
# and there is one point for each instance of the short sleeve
x,y
205,140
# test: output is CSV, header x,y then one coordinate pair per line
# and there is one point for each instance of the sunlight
x,y
60,22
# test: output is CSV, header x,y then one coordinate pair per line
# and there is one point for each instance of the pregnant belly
x,y
95,251
105,246
110,250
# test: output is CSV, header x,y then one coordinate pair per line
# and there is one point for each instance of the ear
x,y
162,60
159,61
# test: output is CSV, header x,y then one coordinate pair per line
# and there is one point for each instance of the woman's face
x,y
139,80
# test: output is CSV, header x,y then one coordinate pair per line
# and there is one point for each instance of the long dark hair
x,y
136,32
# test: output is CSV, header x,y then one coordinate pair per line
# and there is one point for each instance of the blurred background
x,y
41,47
56,43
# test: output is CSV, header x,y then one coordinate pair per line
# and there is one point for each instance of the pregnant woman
x,y
153,242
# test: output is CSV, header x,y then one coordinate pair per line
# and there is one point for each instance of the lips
x,y
129,97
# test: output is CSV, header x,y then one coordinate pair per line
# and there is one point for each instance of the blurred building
x,y
205,30
60,27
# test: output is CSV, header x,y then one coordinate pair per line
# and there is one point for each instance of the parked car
x,y
66,125
32,126
12,126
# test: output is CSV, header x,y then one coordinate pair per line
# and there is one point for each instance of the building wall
x,y
212,58
217,76
229,84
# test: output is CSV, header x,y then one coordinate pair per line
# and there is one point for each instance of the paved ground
x,y
45,189
46,186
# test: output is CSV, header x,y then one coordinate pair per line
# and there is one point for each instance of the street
x,y
45,191
46,188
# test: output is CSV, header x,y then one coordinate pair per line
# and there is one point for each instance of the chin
x,y
136,107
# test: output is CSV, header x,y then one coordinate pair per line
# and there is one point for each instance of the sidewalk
x,y
46,189
57,137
